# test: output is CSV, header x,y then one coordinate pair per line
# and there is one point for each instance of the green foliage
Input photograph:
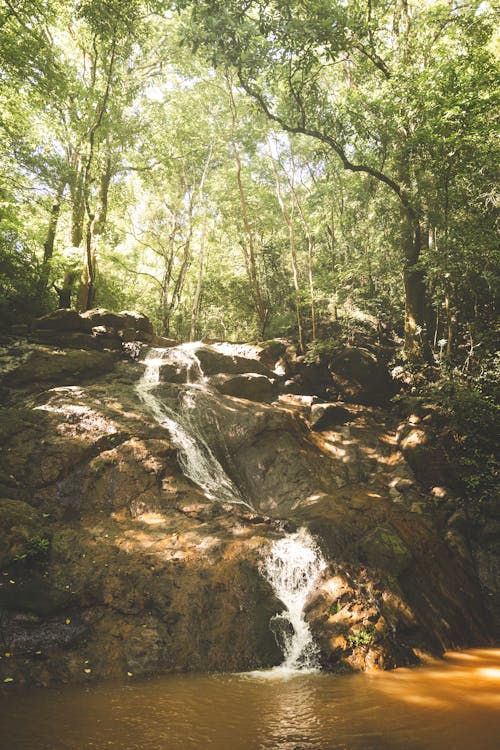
x,y
362,637
473,432
19,281
320,349
36,549
113,131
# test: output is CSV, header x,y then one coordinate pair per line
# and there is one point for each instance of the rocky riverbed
x,y
113,562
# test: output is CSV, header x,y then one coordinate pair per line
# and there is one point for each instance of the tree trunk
x,y
310,244
64,292
95,227
77,207
261,307
417,345
48,245
289,221
86,292
195,307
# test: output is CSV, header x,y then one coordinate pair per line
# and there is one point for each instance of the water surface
x,y
452,704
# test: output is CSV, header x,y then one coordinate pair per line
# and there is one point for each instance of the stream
x,y
452,704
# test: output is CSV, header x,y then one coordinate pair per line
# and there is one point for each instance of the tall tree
x,y
351,76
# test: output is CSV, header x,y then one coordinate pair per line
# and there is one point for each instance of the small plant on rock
x,y
37,548
362,637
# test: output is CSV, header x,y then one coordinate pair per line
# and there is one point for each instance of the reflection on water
x,y
450,705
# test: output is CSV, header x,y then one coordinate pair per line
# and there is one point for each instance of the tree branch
x,y
328,140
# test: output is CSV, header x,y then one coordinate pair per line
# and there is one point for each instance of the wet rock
x,y
19,523
359,622
24,634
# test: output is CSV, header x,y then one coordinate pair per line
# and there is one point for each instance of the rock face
x,y
112,561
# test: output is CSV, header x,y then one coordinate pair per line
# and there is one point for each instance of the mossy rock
x,y
383,548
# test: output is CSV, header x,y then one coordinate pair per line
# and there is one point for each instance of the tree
x,y
352,76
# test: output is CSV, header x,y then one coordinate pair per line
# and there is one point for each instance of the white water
x,y
195,456
292,567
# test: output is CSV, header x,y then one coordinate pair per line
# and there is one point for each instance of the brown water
x,y
451,705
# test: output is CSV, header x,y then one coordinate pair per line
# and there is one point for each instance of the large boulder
x,y
103,317
63,320
275,354
360,377
94,329
57,367
250,386
213,361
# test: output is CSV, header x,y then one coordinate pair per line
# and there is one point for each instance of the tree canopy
x,y
254,169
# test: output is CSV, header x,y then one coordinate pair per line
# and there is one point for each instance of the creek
x,y
454,703
196,458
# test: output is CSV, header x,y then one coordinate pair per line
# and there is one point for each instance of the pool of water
x,y
452,704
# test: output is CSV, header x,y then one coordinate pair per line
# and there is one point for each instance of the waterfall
x,y
196,459
292,566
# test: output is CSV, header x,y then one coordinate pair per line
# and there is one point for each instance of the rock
x,y
20,329
360,377
63,320
45,365
250,386
127,325
272,354
105,329
163,342
383,548
324,416
213,362
19,523
65,339
107,338
427,459
142,572
137,321
310,378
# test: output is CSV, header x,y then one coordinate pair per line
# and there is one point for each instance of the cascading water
x,y
293,563
194,454
292,566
